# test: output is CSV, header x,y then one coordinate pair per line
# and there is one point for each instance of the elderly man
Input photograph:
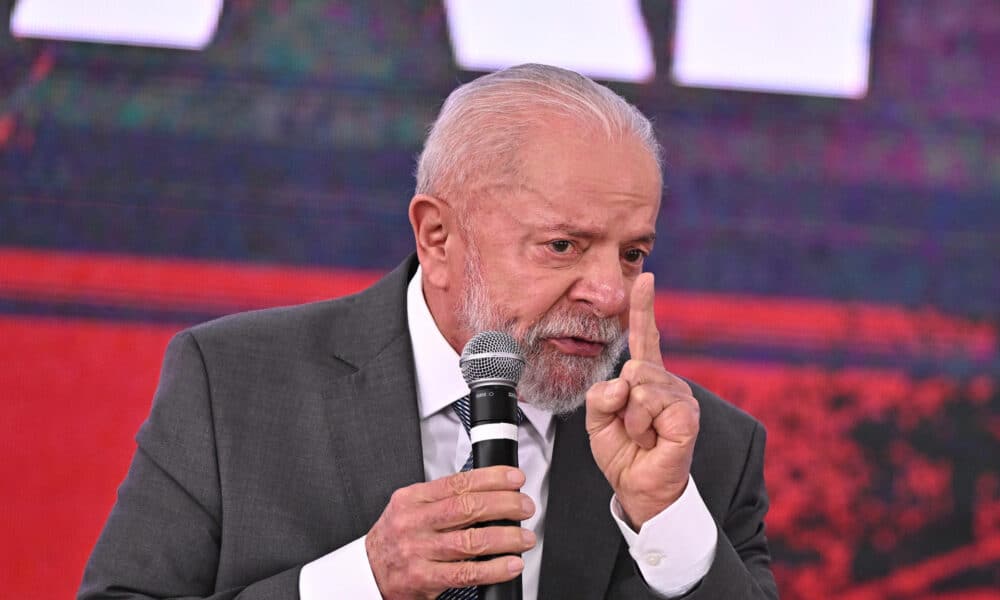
x,y
314,450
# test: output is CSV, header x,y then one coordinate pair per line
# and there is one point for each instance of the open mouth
x,y
577,346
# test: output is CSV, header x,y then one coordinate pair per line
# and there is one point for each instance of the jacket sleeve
x,y
162,538
742,565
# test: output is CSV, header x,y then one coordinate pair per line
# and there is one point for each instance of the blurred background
x,y
828,254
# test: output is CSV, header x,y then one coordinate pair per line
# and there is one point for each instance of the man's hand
x,y
421,545
643,424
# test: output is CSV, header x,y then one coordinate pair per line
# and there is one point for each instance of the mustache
x,y
584,326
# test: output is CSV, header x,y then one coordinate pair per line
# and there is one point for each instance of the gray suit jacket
x,y
278,436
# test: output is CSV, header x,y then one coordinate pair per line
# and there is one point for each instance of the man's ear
x,y
431,219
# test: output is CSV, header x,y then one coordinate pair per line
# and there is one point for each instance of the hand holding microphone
x,y
424,542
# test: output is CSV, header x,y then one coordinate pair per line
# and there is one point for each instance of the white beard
x,y
553,381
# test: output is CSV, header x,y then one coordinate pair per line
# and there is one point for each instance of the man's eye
x,y
561,246
634,255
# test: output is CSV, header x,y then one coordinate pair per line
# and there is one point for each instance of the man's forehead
x,y
593,230
635,231
584,220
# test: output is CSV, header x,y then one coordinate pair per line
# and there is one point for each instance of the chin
x,y
558,382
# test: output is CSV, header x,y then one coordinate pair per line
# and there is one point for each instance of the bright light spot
x,y
605,40
188,24
814,47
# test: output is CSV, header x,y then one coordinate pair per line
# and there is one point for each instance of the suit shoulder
x,y
351,326
719,414
270,324
730,445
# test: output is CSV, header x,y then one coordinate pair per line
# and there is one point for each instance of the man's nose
x,y
602,284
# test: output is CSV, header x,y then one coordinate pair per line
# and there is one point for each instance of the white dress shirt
x,y
673,550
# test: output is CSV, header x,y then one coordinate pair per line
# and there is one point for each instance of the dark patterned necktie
x,y
464,413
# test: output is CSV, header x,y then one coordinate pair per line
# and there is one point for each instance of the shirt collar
x,y
439,378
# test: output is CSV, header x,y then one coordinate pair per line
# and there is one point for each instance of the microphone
x,y
492,364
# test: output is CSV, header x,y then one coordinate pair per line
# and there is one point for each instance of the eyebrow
x,y
572,231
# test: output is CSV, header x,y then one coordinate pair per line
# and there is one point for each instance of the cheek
x,y
530,300
526,302
522,290
508,276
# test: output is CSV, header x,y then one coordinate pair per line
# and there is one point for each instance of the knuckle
x,y
647,398
399,497
679,386
629,369
465,506
640,394
401,521
473,541
463,575
387,524
694,421
407,552
461,482
695,409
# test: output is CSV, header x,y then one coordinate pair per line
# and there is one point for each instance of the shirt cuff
x,y
343,573
674,549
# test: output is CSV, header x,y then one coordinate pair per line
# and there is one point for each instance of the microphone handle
x,y
489,453
495,406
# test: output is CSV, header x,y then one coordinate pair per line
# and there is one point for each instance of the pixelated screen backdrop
x,y
828,254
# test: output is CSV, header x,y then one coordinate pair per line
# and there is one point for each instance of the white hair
x,y
484,123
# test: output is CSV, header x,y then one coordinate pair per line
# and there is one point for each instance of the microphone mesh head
x,y
492,355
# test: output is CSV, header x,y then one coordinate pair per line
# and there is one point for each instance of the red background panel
x,y
828,264
75,391
74,394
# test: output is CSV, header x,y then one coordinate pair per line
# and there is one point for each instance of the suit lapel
x,y
376,432
581,539
372,413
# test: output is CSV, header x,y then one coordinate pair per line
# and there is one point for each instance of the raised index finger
x,y
643,336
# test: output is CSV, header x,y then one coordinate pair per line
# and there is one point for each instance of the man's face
x,y
552,263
